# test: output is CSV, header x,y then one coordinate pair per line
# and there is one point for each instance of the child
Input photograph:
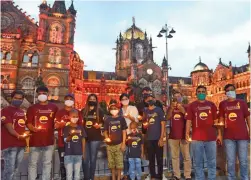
x,y
74,138
115,137
135,151
154,122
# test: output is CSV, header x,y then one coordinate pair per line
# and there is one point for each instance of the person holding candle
x,y
40,121
13,135
235,116
135,151
74,139
130,114
62,119
93,121
176,115
154,121
115,137
202,115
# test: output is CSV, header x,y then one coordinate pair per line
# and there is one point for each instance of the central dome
x,y
200,66
137,33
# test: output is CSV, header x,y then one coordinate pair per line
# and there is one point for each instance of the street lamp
x,y
168,34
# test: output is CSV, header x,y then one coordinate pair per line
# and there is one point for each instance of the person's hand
x,y
173,105
187,138
97,126
83,156
161,142
62,124
181,108
142,156
140,117
219,140
122,147
73,132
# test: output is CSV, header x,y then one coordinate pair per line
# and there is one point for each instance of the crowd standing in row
x,y
80,135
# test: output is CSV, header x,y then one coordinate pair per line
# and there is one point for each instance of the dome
x,y
137,33
200,67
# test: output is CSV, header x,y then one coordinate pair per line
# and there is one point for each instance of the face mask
x,y
69,103
92,103
151,102
179,99
74,120
114,112
16,103
125,102
42,97
231,94
201,96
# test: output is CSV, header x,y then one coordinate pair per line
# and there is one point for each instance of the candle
x,y
108,140
39,127
139,117
24,135
96,124
125,114
62,121
73,131
190,139
145,124
221,124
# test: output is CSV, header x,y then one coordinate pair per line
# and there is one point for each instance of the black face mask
x,y
92,103
151,102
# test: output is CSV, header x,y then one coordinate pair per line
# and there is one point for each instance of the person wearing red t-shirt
x,y
202,115
13,135
176,114
235,116
62,119
40,121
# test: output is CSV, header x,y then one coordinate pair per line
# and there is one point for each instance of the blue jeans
x,y
135,168
46,152
12,158
198,148
72,165
241,147
89,163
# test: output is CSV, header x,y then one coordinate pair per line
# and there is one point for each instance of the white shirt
x,y
132,111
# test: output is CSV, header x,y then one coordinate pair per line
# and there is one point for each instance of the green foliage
x,y
185,100
39,82
103,106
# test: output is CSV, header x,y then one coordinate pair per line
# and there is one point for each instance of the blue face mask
x,y
179,99
201,96
16,103
231,94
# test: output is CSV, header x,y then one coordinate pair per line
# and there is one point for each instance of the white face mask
x,y
125,102
231,94
42,97
114,112
69,103
74,120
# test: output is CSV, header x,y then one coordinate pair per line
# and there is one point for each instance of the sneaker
x,y
188,178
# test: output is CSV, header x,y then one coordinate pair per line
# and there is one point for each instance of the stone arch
x,y
56,32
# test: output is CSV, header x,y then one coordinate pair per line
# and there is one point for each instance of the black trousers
x,y
155,152
62,167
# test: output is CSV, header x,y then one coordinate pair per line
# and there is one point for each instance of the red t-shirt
x,y
42,115
16,117
63,115
178,124
202,115
234,114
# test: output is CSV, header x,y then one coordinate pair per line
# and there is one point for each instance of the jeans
x,y
89,163
135,168
12,158
154,151
126,163
61,158
72,165
46,153
198,148
241,148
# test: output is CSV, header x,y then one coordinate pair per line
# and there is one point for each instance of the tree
x,y
39,81
136,91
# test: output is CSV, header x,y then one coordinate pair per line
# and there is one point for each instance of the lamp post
x,y
168,34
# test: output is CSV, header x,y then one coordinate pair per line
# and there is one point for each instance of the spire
x,y
220,61
199,59
117,41
248,51
43,5
164,62
72,9
120,36
59,7
145,34
133,21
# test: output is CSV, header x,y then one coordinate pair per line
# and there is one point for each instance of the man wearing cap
x,y
62,119
40,121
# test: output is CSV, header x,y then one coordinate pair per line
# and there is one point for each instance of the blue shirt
x,y
74,147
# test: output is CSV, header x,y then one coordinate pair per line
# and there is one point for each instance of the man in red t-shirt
x,y
13,135
202,115
235,116
63,119
40,121
176,114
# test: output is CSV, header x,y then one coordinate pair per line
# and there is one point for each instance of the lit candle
x,y
39,127
190,139
139,117
62,121
96,124
73,131
221,124
145,124
125,114
108,140
24,135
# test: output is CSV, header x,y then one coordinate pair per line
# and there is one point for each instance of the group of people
x,y
131,133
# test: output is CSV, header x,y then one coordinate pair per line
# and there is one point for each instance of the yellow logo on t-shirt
x,y
43,119
114,128
75,138
88,124
21,122
203,115
134,144
151,121
176,117
67,124
232,116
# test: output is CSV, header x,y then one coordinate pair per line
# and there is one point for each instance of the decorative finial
x,y
220,60
44,2
133,20
200,59
230,63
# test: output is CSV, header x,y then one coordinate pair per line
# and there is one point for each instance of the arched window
x,y
2,55
53,83
8,56
26,57
55,55
28,83
34,59
139,53
56,33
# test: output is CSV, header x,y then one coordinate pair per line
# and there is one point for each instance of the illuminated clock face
x,y
149,71
5,22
